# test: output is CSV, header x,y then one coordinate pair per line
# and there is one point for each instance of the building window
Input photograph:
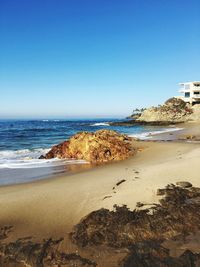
x,y
187,94
187,86
196,93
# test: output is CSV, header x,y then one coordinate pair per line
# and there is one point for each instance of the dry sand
x,y
50,208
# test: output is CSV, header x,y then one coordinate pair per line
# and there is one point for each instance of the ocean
x,y
23,141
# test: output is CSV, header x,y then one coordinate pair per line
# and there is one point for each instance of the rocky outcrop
x,y
101,146
143,123
191,138
173,110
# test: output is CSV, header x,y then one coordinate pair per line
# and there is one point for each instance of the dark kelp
x,y
24,252
143,231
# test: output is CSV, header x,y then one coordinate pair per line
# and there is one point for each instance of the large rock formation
x,y
101,146
173,110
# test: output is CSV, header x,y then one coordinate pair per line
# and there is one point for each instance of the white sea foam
x,y
149,135
30,159
100,124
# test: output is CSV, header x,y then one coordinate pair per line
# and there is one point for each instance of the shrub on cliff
x,y
176,102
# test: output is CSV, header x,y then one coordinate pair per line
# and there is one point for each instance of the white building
x,y
191,92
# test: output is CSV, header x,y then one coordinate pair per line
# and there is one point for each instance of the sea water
x,y
22,142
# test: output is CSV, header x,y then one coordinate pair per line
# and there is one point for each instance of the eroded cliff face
x,y
173,110
101,146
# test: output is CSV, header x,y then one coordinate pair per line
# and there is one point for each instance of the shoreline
x,y
73,168
187,128
26,173
106,176
50,208
21,175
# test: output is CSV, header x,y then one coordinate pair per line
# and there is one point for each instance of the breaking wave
x,y
100,124
29,158
148,135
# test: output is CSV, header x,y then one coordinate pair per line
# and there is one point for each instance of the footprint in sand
x,y
120,182
117,184
107,197
136,171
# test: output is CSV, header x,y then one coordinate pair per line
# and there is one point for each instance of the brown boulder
x,y
101,146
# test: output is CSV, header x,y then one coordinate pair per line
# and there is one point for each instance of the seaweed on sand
x,y
140,232
24,252
143,231
153,254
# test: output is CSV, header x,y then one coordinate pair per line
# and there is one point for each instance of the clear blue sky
x,y
66,58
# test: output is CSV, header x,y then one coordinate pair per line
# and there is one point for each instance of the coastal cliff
x,y
173,110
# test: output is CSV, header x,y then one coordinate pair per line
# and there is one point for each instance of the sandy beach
x,y
51,207
99,134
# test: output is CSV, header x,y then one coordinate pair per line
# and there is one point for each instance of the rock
x,y
195,116
176,103
142,122
101,146
189,137
174,110
184,184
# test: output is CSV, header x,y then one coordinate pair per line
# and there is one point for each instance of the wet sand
x,y
186,129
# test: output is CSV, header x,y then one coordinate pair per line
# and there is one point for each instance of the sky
x,y
94,58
